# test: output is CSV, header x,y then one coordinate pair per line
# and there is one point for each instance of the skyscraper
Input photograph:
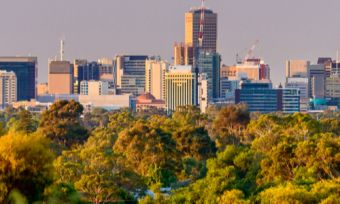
x,y
155,77
130,73
180,87
8,88
84,70
192,28
209,63
60,77
26,71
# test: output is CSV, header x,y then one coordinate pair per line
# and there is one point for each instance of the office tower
x,y
303,86
183,54
180,87
130,73
290,100
228,87
94,88
26,71
42,89
332,87
210,63
85,71
8,88
297,68
192,29
252,69
155,70
106,67
261,97
327,62
316,75
60,77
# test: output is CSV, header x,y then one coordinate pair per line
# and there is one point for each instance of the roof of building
x,y
148,98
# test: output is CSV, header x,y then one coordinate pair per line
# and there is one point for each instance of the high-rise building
x,y
105,67
26,71
183,54
210,63
8,88
327,62
180,87
316,74
192,28
130,73
60,77
261,97
155,70
297,68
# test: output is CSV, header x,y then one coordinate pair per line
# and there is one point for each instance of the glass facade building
x,y
210,63
26,71
261,97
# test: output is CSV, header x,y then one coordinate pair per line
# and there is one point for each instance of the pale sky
x,y
286,29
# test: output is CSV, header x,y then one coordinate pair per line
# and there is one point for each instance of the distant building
x,y
60,77
42,89
183,54
130,74
327,63
8,88
105,67
251,69
147,101
297,68
180,87
203,92
210,64
332,87
260,96
302,84
155,70
192,23
26,71
316,74
94,88
84,70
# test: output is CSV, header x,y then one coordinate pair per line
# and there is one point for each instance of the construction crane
x,y
250,51
202,19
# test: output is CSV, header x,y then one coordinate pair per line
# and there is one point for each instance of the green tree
x,y
24,122
25,165
97,172
229,124
150,151
61,123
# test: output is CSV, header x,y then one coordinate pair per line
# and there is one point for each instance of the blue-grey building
x,y
130,74
209,62
26,71
85,71
260,96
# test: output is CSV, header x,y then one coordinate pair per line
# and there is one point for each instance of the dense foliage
x,y
224,156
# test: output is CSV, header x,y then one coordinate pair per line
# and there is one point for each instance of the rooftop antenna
x,y
62,43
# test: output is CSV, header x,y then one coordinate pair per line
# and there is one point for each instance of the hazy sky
x,y
286,29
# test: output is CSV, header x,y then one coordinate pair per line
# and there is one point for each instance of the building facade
x,y
316,74
60,77
8,88
26,71
181,87
209,63
297,68
261,97
183,54
130,74
192,24
155,70
94,88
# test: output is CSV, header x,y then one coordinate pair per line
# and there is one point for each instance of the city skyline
x,y
106,29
